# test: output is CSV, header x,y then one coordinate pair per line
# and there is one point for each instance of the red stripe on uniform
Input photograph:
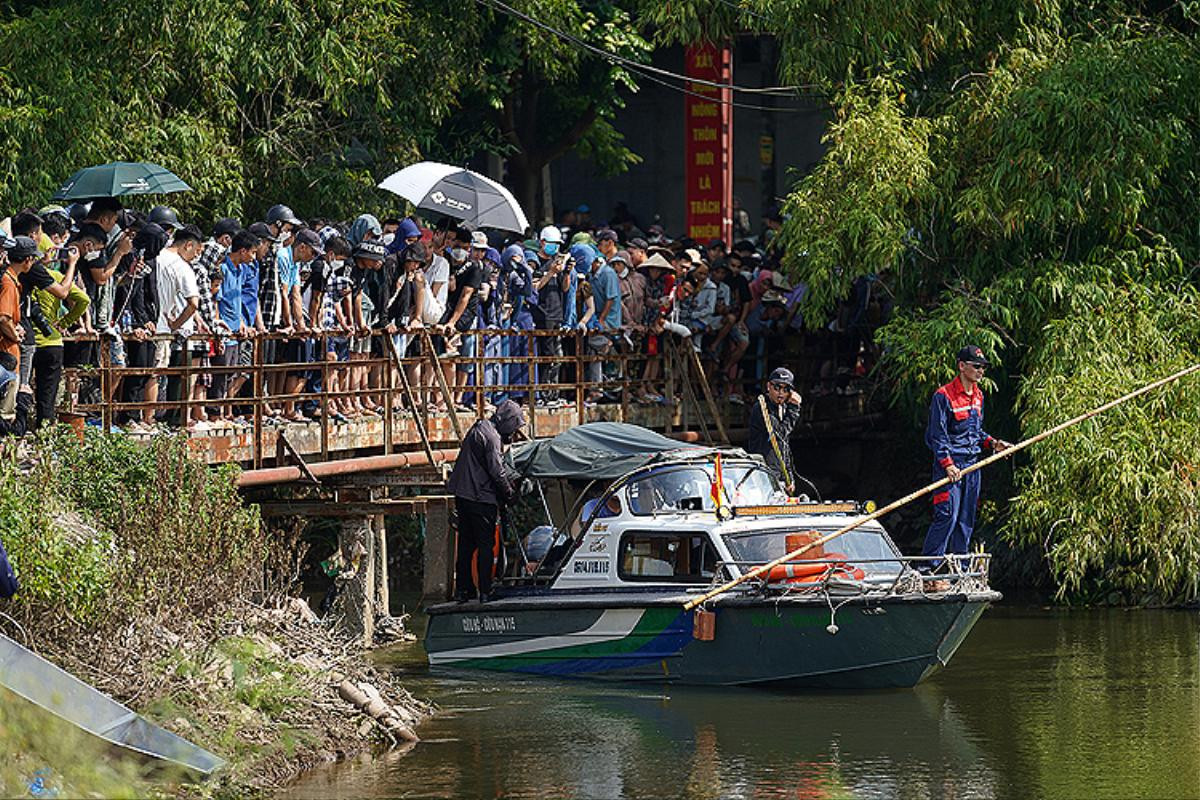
x,y
941,497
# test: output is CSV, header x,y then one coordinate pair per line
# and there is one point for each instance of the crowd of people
x,y
98,282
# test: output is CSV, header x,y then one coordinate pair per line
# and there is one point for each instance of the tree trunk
x,y
524,178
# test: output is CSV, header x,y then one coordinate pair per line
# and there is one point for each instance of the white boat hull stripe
x,y
614,623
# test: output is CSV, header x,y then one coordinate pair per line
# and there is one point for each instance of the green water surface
x,y
1036,703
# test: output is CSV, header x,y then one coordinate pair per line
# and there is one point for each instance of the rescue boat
x,y
599,593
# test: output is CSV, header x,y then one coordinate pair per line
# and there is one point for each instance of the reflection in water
x,y
1035,704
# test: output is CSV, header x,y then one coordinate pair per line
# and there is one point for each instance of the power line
x,y
785,91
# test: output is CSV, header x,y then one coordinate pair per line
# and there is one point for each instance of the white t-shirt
x,y
439,272
176,283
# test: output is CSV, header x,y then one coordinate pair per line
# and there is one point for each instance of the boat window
x,y
866,548
690,488
676,557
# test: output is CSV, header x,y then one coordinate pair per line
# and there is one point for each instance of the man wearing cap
x,y
771,423
606,323
633,292
606,242
462,308
552,283
637,252
480,487
955,435
306,248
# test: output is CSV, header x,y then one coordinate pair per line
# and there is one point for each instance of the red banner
x,y
708,146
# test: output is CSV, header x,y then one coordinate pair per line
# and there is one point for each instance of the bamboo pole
x,y
408,394
441,383
1007,452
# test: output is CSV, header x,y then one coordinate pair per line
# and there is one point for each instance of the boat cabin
x,y
662,524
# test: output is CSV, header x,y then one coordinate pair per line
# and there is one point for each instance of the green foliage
x,y
544,94
1024,178
104,531
256,101
1115,501
876,175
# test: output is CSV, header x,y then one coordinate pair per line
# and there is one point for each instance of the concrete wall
x,y
652,124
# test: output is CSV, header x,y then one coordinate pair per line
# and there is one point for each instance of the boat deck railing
x,y
896,575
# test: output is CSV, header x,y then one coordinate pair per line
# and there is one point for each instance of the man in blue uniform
x,y
956,437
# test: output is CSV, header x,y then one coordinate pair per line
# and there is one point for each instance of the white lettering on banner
x,y
489,624
591,567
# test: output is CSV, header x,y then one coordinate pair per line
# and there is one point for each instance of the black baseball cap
x,y
639,243
22,248
784,376
606,235
372,251
311,238
971,354
261,230
413,252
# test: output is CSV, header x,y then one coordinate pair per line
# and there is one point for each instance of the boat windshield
x,y
690,488
866,548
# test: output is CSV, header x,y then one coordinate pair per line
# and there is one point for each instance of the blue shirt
x,y
229,298
605,287
570,313
250,293
289,270
955,432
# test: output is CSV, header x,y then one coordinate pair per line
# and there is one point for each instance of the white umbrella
x,y
458,193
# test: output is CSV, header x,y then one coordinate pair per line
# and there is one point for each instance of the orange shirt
x,y
10,306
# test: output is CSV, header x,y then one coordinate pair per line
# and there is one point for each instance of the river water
x,y
1036,703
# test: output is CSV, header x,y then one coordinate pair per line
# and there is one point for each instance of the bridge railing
x,y
320,373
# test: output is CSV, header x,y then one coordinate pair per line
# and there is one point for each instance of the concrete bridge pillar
x,y
354,608
438,571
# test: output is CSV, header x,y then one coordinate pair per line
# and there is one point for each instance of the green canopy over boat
x,y
597,451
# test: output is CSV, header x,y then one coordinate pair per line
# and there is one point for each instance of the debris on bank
x,y
274,691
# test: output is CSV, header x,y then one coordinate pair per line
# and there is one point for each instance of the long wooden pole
x,y
1007,452
408,393
441,382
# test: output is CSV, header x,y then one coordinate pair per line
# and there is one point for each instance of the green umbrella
x,y
120,178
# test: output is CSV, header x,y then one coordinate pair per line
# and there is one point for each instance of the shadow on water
x,y
1096,704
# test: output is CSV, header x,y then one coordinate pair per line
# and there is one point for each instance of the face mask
x,y
335,265
551,248
92,256
459,254
388,238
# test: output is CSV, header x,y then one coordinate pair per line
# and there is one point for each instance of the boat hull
x,y
877,643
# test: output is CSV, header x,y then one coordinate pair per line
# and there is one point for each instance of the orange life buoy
x,y
832,566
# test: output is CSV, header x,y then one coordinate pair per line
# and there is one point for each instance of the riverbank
x,y
144,575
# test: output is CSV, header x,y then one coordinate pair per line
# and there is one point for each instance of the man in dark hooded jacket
x,y
480,487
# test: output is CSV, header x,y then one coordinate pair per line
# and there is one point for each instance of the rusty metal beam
x,y
349,466
330,508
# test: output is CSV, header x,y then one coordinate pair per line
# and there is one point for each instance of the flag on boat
x,y
718,487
